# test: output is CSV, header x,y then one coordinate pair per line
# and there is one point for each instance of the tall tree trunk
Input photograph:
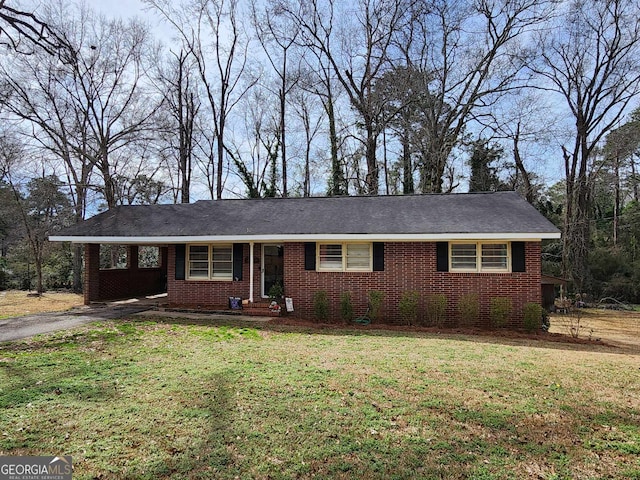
x,y
372,178
385,162
408,186
617,201
220,151
39,260
283,144
338,184
635,179
577,224
526,178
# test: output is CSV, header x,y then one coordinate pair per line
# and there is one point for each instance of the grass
x,y
17,302
615,327
168,398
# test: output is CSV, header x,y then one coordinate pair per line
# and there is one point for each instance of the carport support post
x,y
132,257
91,288
250,272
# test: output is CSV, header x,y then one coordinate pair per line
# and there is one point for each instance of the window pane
x,y
494,256
222,262
358,256
199,261
463,256
331,257
198,252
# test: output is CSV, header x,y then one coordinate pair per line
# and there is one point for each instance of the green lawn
x,y
154,400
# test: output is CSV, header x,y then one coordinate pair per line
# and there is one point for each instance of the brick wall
x,y
128,282
411,266
408,266
91,290
212,293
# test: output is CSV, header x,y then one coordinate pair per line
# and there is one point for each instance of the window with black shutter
x,y
442,256
518,262
180,262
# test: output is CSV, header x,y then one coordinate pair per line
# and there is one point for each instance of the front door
x,y
272,268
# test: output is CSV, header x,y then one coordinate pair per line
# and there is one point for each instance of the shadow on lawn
x,y
506,337
211,452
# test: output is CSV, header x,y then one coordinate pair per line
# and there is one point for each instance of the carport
x,y
130,279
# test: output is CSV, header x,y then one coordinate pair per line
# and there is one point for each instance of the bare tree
x,y
591,62
304,107
178,128
39,95
25,32
319,81
356,45
525,125
256,154
471,53
277,36
212,32
87,108
110,73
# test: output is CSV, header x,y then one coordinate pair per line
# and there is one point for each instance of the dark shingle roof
x,y
473,213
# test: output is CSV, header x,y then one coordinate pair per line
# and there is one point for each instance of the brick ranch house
x,y
452,244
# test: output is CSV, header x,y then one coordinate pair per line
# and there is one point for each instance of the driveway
x,y
26,326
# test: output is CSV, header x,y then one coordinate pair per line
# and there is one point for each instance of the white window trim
x,y
479,268
344,268
209,277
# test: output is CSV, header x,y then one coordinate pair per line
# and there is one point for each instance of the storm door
x,y
272,269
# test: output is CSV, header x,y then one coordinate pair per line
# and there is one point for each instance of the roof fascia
x,y
399,237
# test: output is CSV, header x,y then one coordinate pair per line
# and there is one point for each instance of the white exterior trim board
x,y
310,237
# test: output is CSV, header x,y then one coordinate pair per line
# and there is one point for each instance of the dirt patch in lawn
x,y
14,303
613,327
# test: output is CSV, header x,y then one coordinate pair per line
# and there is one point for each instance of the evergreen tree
x,y
484,172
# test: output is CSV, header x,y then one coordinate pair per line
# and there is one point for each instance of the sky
x,y
124,8
129,8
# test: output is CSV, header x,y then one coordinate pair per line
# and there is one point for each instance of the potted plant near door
x,y
276,294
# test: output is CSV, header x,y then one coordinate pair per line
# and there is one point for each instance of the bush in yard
x,y
408,307
500,311
346,307
532,317
436,309
469,309
321,305
546,321
375,304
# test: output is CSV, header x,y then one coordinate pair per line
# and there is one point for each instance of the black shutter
x,y
518,263
442,256
310,256
180,261
378,256
238,251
